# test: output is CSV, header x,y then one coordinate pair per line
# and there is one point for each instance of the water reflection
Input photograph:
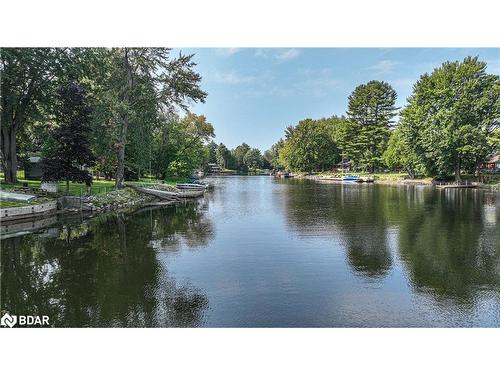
x,y
263,252
105,271
447,240
449,247
356,213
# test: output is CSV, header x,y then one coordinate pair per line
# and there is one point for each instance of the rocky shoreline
x,y
128,198
119,199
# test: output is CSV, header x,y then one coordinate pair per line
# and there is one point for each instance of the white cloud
x,y
310,82
288,54
232,78
278,54
384,66
226,52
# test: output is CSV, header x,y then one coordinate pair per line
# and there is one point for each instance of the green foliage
x,y
494,139
273,153
212,152
450,115
67,156
224,158
146,84
309,146
253,159
370,112
399,154
239,156
179,145
29,81
178,168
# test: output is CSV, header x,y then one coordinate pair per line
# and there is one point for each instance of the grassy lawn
x,y
5,204
98,186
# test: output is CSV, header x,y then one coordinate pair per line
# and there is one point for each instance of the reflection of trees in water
x,y
188,225
102,273
448,245
354,212
446,248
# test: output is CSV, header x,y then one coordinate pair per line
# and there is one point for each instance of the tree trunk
x,y
458,179
120,171
9,153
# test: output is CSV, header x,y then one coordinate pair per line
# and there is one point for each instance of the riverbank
x,y
379,178
129,198
399,179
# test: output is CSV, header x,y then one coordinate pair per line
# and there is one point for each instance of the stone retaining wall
x,y
14,213
13,227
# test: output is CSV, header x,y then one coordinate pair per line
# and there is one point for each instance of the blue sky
x,y
254,94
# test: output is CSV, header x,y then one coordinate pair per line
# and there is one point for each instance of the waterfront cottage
x,y
492,163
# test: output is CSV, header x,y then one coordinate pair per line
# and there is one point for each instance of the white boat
x,y
351,178
191,186
15,197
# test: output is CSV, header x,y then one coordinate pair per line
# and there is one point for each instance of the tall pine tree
x,y
68,152
370,112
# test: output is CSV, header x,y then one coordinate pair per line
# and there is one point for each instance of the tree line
x,y
450,123
121,112
242,158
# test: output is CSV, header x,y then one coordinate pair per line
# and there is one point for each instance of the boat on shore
x,y
171,195
191,193
281,174
351,178
191,186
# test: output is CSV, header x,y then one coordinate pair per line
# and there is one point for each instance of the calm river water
x,y
264,252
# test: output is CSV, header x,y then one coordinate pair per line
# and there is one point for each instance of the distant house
x,y
345,165
214,168
33,168
492,163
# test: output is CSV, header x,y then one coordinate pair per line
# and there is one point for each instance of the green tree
x,y
173,81
180,145
371,109
239,154
195,131
274,154
223,156
29,78
310,146
267,159
399,154
494,139
70,151
253,159
450,115
212,152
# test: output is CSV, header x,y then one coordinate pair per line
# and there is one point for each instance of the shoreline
x,y
125,200
377,180
394,181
